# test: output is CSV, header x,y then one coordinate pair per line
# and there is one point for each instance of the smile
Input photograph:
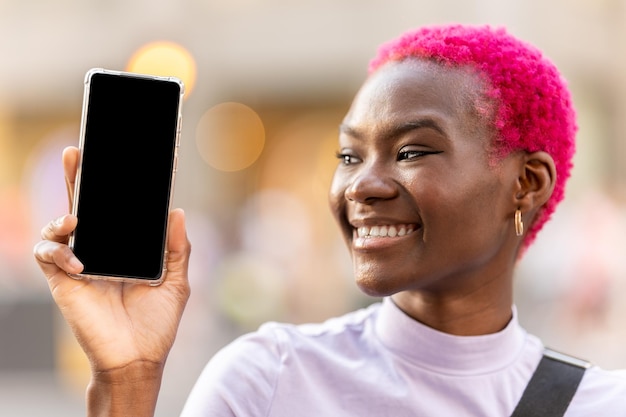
x,y
397,230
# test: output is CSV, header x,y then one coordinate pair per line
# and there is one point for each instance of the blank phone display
x,y
126,174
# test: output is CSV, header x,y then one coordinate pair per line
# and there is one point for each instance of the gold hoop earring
x,y
519,224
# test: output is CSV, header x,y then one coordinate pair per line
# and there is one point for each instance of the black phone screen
x,y
126,173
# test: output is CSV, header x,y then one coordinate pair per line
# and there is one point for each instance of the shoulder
x,y
605,383
351,331
353,322
251,366
273,340
275,346
601,392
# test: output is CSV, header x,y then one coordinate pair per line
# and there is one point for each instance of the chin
x,y
381,279
376,287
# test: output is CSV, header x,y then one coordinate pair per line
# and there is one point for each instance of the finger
x,y
53,256
179,248
70,166
178,244
59,229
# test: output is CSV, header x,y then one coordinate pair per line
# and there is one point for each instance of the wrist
x,y
131,390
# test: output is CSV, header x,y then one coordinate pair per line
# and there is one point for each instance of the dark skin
x,y
126,330
415,163
416,156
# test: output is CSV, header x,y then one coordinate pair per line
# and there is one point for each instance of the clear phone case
x,y
77,189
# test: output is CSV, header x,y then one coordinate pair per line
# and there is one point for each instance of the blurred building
x,y
265,246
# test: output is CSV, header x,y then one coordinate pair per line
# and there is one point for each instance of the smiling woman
x,y
454,153
421,159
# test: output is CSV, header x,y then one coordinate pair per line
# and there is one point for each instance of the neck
x,y
484,310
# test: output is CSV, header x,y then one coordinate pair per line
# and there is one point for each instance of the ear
x,y
535,184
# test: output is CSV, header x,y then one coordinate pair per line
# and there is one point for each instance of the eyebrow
x,y
396,130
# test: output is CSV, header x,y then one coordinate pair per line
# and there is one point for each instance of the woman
x,y
453,155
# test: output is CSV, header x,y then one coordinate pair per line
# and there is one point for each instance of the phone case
x,y
87,84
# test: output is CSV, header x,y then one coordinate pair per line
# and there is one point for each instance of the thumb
x,y
178,246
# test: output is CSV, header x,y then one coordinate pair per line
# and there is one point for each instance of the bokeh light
x,y
230,136
302,159
165,59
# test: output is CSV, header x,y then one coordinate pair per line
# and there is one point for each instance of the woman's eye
x,y
404,155
409,155
347,159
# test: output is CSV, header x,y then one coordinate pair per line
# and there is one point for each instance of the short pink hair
x,y
533,106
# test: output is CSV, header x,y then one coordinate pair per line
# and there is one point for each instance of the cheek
x,y
479,225
460,215
336,196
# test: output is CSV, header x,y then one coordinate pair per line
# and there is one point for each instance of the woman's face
x,y
419,204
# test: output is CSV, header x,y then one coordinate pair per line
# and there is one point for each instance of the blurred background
x,y
268,82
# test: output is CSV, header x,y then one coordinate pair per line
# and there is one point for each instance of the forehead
x,y
412,88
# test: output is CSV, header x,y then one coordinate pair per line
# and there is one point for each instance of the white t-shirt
x,y
380,362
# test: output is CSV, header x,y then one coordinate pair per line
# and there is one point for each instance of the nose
x,y
371,184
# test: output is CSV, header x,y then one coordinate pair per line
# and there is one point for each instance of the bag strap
x,y
552,386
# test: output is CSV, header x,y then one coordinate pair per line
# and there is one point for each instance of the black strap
x,y
552,386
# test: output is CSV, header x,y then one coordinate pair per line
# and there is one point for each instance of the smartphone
x,y
129,139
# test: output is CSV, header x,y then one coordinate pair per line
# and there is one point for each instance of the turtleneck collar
x,y
445,353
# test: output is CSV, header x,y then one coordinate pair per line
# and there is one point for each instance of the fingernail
x,y
59,221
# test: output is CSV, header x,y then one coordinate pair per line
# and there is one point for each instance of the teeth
x,y
385,230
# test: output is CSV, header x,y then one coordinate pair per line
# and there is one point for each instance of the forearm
x,y
129,391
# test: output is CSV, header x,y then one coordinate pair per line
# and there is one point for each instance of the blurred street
x,y
279,76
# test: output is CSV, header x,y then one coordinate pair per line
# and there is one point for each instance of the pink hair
x,y
533,107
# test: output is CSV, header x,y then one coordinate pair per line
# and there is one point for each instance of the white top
x,y
380,362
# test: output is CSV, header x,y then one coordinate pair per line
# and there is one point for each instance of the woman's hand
x,y
126,330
